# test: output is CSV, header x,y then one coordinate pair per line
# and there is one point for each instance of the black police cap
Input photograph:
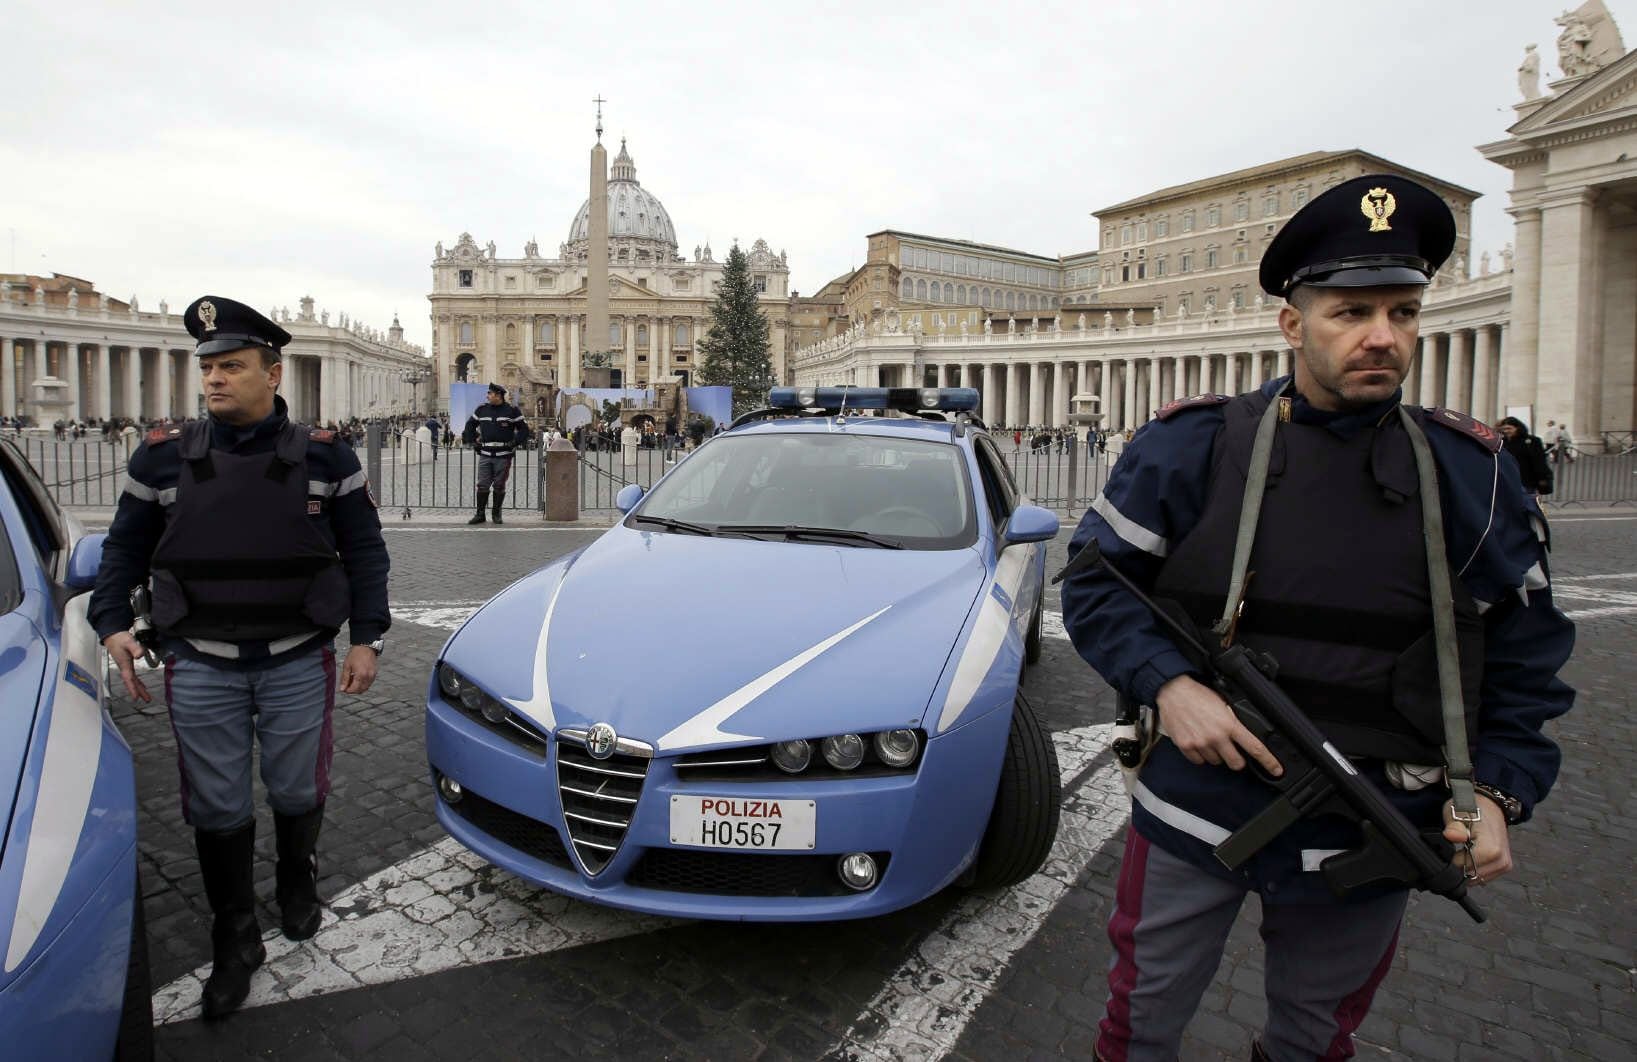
x,y
497,389
1379,230
221,325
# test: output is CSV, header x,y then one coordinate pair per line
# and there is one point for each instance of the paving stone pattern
x,y
1550,976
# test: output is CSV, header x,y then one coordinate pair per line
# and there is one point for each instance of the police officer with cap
x,y
1388,557
261,540
496,429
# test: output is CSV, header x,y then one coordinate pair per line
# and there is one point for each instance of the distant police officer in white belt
x,y
261,540
1388,558
496,429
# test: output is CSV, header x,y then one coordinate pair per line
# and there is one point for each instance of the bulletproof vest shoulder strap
x,y
289,452
1250,510
196,449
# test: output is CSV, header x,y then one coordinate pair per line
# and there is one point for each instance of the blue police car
x,y
73,955
784,687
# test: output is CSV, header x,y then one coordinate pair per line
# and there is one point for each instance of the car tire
x,y
1033,640
1028,803
135,1043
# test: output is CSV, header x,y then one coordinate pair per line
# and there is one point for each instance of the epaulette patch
x,y
1170,409
322,435
162,435
1486,436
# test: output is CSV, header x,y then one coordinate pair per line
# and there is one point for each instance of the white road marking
x,y
1611,602
927,1002
441,908
444,615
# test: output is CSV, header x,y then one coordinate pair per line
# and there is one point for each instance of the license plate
x,y
737,823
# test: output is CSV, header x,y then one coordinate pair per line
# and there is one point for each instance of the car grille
x,y
599,796
742,873
529,836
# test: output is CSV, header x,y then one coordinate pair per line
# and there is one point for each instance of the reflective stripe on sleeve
x,y
356,481
1131,532
320,489
143,492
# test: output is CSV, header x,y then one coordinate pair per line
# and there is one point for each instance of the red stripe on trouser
x,y
326,739
1352,1009
1114,1031
181,764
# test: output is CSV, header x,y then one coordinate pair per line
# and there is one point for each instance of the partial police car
x,y
73,956
783,687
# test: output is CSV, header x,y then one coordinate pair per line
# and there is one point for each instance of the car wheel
x,y
135,1043
1032,642
1023,824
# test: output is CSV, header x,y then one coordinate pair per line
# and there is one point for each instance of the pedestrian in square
x,y
261,540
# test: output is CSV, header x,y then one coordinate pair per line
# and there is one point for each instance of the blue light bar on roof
x,y
904,399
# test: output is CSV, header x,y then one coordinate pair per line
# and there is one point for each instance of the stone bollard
x,y
562,485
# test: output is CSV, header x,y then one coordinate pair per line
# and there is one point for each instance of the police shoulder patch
x,y
323,435
1171,409
1471,427
162,435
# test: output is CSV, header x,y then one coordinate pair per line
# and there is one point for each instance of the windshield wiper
x,y
799,531
670,524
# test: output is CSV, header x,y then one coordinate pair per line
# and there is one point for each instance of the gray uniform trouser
x,y
217,714
493,470
1323,965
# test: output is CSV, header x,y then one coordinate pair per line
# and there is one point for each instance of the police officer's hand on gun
x,y
1491,855
124,649
358,670
1204,728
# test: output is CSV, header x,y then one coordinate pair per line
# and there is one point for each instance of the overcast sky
x,y
270,151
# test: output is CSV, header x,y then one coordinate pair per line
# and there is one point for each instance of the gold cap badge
x,y
207,315
1378,205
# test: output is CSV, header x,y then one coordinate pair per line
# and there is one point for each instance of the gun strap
x,y
1250,510
1457,757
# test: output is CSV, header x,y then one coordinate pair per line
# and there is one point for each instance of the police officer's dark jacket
x,y
260,541
496,430
1339,595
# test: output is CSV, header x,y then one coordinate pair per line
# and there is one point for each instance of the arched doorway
x,y
463,367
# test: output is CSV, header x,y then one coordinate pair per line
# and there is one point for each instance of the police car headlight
x,y
843,751
792,757
471,697
449,681
897,748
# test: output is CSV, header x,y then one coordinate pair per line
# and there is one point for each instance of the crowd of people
x,y
1043,440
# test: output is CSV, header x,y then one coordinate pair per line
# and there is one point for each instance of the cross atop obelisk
x,y
599,101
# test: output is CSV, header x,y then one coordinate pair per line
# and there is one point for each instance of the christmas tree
x,y
735,351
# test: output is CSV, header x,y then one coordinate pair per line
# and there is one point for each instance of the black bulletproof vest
x,y
240,558
1339,590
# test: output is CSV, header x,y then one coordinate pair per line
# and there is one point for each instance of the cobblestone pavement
x,y
429,952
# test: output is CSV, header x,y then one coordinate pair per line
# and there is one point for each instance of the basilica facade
x,y
522,321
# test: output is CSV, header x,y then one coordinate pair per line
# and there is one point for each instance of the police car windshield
x,y
911,493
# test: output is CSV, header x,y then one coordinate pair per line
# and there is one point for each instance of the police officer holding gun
x,y
1387,557
260,539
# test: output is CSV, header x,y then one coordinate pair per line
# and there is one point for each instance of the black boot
x,y
298,871
1257,1052
227,862
482,500
500,499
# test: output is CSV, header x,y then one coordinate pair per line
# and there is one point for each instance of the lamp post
x,y
413,378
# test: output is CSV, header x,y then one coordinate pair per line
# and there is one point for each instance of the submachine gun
x,y
1317,778
143,628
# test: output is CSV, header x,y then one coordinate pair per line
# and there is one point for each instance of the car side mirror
x,y
1029,523
84,562
627,498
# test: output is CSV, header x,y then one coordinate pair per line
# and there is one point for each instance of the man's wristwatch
x,y
1510,805
379,645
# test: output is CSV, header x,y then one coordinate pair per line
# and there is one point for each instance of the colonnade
x,y
1457,368
649,348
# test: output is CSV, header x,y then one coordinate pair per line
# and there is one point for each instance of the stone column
x,y
102,363
1483,382
1287,362
569,375
1570,309
1205,374
656,368
165,377
1458,377
72,359
1522,368
1105,399
1037,394
1427,395
8,377
1154,400
1013,374
132,406
1060,394
1128,406
628,332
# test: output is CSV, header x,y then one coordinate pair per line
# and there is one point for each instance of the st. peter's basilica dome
x,y
633,213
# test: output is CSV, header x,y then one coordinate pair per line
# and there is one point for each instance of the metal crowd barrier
x,y
87,472
1594,479
1068,478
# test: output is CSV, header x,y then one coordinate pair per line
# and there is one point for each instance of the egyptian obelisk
x,y
596,285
